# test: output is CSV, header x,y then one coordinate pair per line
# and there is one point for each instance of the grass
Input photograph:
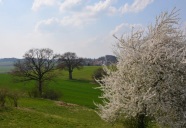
x,y
75,109
83,74
37,113
78,91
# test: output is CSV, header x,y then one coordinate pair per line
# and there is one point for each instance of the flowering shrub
x,y
151,76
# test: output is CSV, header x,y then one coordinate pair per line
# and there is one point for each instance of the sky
x,y
85,27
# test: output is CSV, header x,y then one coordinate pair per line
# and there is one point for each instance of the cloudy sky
x,y
81,26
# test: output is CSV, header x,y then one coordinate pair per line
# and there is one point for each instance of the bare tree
x,y
69,61
151,76
38,65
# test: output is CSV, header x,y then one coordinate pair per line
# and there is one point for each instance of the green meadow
x,y
6,66
75,108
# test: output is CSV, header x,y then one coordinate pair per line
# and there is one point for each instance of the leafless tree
x,y
69,61
38,65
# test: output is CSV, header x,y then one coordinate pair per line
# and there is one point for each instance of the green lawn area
x,y
79,112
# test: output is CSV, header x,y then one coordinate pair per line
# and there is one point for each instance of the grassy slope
x,y
45,113
37,113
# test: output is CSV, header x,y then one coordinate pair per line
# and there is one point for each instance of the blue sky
x,y
81,26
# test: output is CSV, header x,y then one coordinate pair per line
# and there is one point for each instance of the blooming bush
x,y
151,76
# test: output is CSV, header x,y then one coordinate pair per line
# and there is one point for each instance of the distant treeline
x,y
106,60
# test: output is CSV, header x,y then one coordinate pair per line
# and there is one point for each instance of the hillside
x,y
75,109
40,113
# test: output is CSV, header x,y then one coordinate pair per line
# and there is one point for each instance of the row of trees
x,y
41,65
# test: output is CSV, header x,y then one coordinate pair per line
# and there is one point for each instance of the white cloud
x,y
46,23
125,28
67,4
136,6
1,2
80,18
76,20
112,10
85,14
100,6
107,5
63,6
38,3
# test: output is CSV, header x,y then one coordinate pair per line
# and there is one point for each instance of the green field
x,y
79,91
75,109
6,66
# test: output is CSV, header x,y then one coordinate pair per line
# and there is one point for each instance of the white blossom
x,y
150,75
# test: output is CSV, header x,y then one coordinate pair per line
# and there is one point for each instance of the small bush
x,y
47,93
34,93
13,97
6,94
98,74
3,95
51,94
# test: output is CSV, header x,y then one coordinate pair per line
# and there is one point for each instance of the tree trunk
x,y
40,88
141,117
3,102
141,121
15,102
70,75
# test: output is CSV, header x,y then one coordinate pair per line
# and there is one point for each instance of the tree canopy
x,y
37,65
69,61
150,80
